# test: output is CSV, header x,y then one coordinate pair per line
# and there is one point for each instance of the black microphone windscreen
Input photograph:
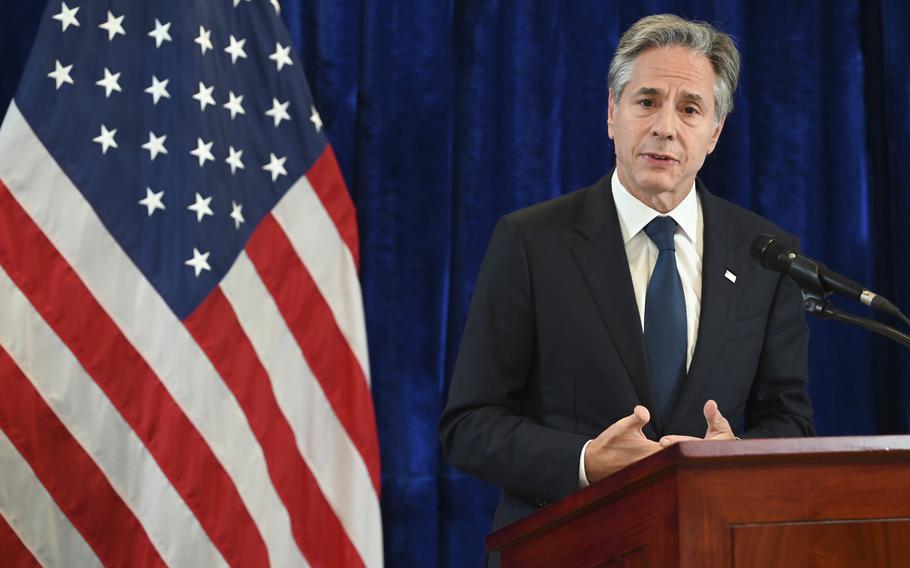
x,y
772,252
759,244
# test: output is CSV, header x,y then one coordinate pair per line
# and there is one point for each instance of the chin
x,y
655,184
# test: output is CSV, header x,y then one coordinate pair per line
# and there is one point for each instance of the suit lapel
x,y
723,251
602,260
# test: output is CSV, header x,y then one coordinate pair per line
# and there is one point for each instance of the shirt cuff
x,y
582,478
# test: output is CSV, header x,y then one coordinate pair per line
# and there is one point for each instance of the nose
x,y
665,123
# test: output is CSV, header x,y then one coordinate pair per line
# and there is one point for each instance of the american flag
x,y
184,374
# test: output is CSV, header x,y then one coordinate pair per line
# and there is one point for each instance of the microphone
x,y
776,254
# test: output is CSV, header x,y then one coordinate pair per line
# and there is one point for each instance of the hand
x,y
622,444
718,428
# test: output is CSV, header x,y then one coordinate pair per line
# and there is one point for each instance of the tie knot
x,y
661,231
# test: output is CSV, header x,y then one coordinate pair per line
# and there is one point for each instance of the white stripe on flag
x,y
103,434
316,241
322,440
34,516
53,202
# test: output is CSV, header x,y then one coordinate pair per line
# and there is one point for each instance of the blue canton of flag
x,y
182,123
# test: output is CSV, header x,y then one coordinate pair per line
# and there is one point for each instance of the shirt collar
x,y
634,215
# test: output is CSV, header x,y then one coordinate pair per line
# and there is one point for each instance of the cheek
x,y
696,147
630,137
695,159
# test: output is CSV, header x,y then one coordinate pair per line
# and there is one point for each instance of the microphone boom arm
x,y
815,303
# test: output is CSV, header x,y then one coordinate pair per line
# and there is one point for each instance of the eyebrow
x,y
651,91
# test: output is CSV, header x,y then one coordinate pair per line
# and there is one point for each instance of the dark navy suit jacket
x,y
552,352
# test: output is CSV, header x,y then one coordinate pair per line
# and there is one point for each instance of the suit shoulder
x,y
749,222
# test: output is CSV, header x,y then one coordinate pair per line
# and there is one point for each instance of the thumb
x,y
637,420
714,418
632,423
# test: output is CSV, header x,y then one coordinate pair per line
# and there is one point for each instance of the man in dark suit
x,y
618,319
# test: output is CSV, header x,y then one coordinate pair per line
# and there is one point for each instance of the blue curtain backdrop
x,y
446,114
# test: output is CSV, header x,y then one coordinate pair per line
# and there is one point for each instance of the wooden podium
x,y
787,502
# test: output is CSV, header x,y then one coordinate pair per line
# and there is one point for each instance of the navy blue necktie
x,y
665,320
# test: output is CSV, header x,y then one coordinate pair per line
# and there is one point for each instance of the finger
x,y
713,413
710,409
633,422
642,413
674,439
716,421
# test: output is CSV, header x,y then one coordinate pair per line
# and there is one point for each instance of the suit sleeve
x,y
483,429
779,404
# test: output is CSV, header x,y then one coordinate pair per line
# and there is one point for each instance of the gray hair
x,y
665,30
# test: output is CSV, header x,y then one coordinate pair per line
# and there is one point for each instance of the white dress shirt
x,y
642,253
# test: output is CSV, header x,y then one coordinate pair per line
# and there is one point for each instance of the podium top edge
x,y
781,446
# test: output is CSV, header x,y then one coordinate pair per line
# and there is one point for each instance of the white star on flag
x,y
203,151
237,214
106,139
161,33
316,119
204,39
152,200
204,96
110,82
199,262
282,56
61,74
234,104
279,111
234,159
158,89
155,145
67,16
235,49
113,26
201,207
276,166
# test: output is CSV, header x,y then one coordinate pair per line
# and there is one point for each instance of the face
x,y
663,126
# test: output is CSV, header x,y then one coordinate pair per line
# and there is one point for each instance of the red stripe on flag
x,y
325,177
66,304
13,553
317,530
91,504
311,322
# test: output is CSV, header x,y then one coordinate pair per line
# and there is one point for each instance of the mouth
x,y
659,158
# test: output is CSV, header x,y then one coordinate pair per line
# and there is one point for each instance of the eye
x,y
690,110
647,103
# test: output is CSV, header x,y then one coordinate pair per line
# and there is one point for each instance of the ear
x,y
611,108
716,134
